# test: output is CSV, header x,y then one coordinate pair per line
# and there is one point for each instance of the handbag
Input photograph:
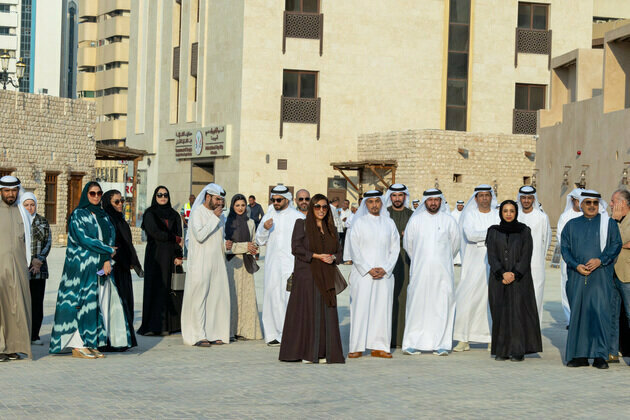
x,y
290,283
178,279
340,281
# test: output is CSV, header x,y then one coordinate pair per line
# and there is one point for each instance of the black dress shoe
x,y
501,358
600,363
578,362
274,343
517,358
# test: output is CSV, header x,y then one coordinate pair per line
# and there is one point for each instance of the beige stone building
x,y
254,93
48,143
585,135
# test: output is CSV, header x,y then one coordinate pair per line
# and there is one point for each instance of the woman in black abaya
x,y
161,306
125,257
515,322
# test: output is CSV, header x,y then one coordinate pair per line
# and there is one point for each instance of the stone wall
x,y
40,134
429,157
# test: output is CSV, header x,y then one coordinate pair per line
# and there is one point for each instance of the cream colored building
x,y
585,135
269,95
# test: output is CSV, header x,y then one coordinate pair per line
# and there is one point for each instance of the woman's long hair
x,y
328,223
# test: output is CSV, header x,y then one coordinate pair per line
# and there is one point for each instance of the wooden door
x,y
74,194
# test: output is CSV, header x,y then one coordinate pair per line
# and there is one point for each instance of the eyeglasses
x,y
307,199
277,200
161,195
95,193
320,206
117,202
591,202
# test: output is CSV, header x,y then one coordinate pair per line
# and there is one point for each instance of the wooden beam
x,y
378,175
347,179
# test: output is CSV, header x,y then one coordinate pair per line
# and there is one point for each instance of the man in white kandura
x,y
571,211
374,248
206,305
472,322
531,214
431,240
275,231
457,213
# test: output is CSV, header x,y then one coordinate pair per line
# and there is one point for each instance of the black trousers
x,y
38,288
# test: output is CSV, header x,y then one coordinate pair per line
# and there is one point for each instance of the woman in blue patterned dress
x,y
89,312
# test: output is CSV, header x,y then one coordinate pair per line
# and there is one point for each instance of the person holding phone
x,y
89,311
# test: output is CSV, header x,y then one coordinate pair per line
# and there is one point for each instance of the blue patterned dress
x,y
78,297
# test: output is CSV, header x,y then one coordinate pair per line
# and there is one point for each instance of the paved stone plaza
x,y
162,378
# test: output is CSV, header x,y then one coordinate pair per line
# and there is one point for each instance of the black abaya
x,y
515,322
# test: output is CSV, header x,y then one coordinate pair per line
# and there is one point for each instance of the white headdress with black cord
x,y
573,194
430,193
528,190
603,225
10,182
212,189
363,210
396,188
472,203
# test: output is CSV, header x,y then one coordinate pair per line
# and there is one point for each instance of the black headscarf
x,y
237,230
114,214
161,211
510,227
96,209
123,232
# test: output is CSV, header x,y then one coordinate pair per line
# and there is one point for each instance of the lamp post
x,y
4,76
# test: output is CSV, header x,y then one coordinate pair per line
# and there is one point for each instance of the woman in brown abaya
x,y
311,325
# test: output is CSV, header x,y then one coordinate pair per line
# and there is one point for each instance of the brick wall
x,y
425,156
39,134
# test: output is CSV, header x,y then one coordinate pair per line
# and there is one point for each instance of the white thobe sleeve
x,y
262,234
200,230
561,223
408,236
394,249
454,236
355,248
548,234
470,233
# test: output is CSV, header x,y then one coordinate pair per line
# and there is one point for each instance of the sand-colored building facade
x,y
231,66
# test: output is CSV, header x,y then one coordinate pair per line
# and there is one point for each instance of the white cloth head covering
x,y
212,189
9,181
472,203
396,188
603,224
415,201
433,192
528,190
284,192
363,207
573,194
29,196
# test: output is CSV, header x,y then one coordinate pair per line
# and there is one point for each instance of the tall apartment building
x,y
254,93
43,34
103,59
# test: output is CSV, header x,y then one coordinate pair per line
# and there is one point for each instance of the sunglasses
x,y
161,195
117,202
277,200
591,202
95,193
307,199
319,206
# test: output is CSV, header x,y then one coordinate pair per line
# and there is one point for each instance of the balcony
x,y
112,104
111,130
112,78
304,26
106,6
86,57
8,42
300,110
118,51
88,31
524,122
88,8
532,41
9,19
85,81
118,25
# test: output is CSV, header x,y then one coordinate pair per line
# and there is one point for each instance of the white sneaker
x,y
462,346
322,361
411,352
307,362
440,352
37,342
489,346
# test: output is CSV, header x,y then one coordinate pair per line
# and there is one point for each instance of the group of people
x,y
402,288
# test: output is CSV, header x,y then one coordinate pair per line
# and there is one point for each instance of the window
x,y
303,6
527,180
299,84
457,178
50,200
533,16
87,94
530,97
457,66
5,30
282,164
5,8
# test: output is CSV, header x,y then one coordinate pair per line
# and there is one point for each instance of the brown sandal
x,y
203,343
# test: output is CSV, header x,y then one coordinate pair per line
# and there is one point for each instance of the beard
x,y
9,200
398,204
